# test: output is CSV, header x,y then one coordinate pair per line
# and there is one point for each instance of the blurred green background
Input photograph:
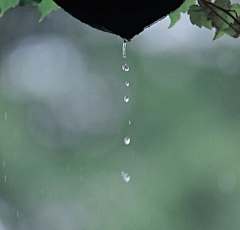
x,y
63,121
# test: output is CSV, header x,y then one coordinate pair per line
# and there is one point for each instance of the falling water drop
x,y
126,177
125,67
127,83
126,99
41,191
5,116
127,140
17,213
4,164
124,49
5,178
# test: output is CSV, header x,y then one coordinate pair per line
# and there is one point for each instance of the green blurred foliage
x,y
184,159
44,6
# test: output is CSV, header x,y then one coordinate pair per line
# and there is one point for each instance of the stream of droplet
x,y
126,99
124,49
126,68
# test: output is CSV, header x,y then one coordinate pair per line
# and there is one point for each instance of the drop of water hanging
x,y
127,84
129,122
127,140
125,67
124,49
126,99
126,177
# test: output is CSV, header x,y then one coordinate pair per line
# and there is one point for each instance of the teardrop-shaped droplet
x,y
125,67
126,99
124,49
129,122
126,177
127,140
127,83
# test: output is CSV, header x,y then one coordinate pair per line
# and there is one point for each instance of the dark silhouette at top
x,y
125,18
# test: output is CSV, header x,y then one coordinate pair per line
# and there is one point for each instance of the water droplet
x,y
126,177
127,140
5,116
41,191
126,99
17,213
127,83
129,122
118,131
4,164
5,178
124,49
125,67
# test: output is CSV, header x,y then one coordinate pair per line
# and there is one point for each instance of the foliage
x,y
221,15
175,16
44,6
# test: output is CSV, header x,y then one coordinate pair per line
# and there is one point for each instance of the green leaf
x,y
220,19
218,34
235,10
225,4
45,7
231,32
7,4
175,16
199,16
234,29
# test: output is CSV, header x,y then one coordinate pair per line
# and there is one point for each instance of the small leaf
x,y
231,32
199,16
235,10
175,16
220,19
45,7
218,34
225,4
7,4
